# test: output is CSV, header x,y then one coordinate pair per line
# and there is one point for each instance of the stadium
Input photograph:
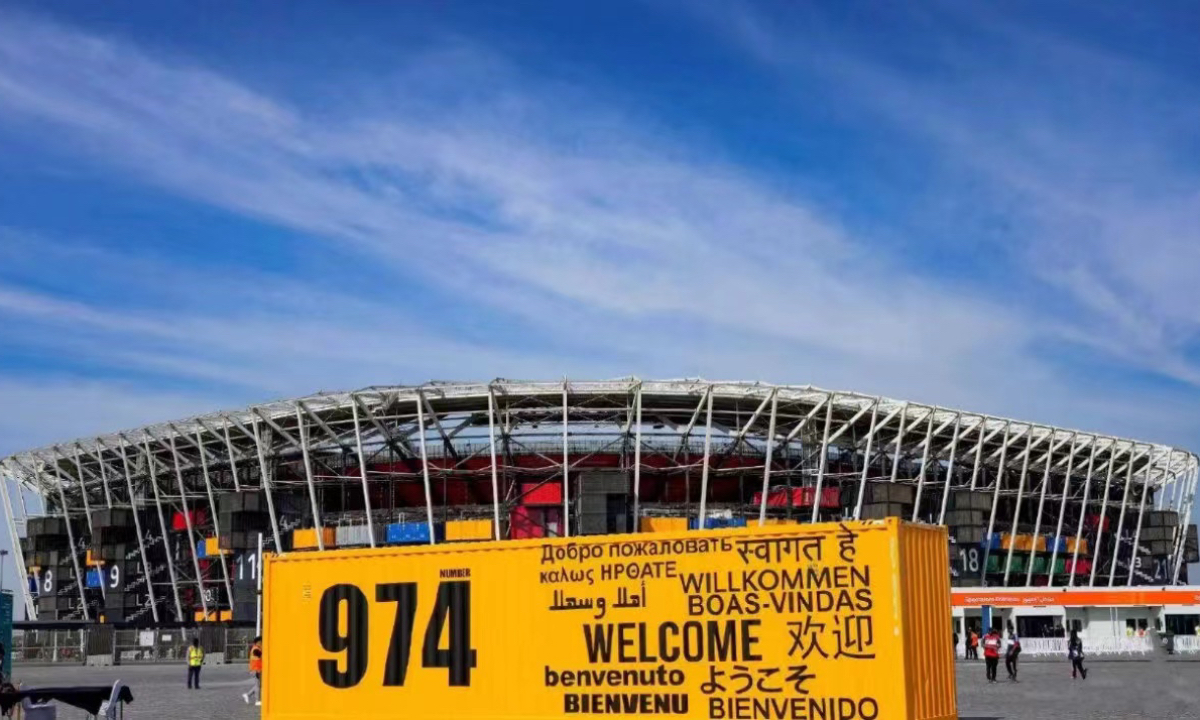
x,y
162,524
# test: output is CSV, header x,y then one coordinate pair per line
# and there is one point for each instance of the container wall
x,y
780,621
927,629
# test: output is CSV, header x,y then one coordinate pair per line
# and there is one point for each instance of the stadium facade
x,y
162,523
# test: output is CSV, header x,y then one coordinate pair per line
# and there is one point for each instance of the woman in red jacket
x,y
991,653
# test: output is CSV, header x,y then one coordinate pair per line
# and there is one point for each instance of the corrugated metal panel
x,y
925,592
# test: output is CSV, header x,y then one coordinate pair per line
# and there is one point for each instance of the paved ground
x,y
1114,690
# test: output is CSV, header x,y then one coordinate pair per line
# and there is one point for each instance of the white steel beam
x,y
79,577
1112,463
103,474
265,471
308,478
950,467
701,522
162,522
924,465
1062,512
862,482
816,508
1037,523
30,606
566,464
899,445
766,486
1185,516
1137,533
425,470
1012,534
187,520
362,473
637,458
212,507
147,566
1112,569
995,498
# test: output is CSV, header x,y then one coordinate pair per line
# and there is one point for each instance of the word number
x,y
346,606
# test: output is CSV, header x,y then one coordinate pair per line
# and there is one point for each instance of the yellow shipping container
x,y
306,538
214,616
829,620
93,561
469,530
663,524
212,547
1082,544
777,521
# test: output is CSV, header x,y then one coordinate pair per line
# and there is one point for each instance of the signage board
x,y
837,621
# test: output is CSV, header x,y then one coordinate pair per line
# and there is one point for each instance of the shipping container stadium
x,y
161,524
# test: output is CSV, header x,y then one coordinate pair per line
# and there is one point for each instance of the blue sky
x,y
204,205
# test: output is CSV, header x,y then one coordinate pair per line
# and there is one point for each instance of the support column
x,y
14,538
701,523
816,509
1062,511
237,487
1112,568
308,478
362,471
187,520
899,444
987,547
862,482
103,476
80,578
766,486
637,459
924,465
1112,465
1012,542
950,467
1187,514
495,467
566,466
162,522
1137,533
265,472
212,507
425,466
147,566
87,508
1037,523
1087,486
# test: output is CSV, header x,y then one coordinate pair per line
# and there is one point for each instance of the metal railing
x,y
128,646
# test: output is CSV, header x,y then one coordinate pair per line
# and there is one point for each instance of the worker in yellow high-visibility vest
x,y
195,658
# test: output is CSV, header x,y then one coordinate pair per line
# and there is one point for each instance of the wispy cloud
x,y
567,237
1079,143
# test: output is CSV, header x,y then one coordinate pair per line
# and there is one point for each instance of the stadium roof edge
x,y
1179,460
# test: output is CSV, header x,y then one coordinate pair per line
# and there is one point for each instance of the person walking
x,y
954,646
973,645
1012,651
256,668
1075,653
991,653
195,659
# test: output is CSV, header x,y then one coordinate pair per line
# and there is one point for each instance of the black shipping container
x,y
971,500
876,511
964,518
888,492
